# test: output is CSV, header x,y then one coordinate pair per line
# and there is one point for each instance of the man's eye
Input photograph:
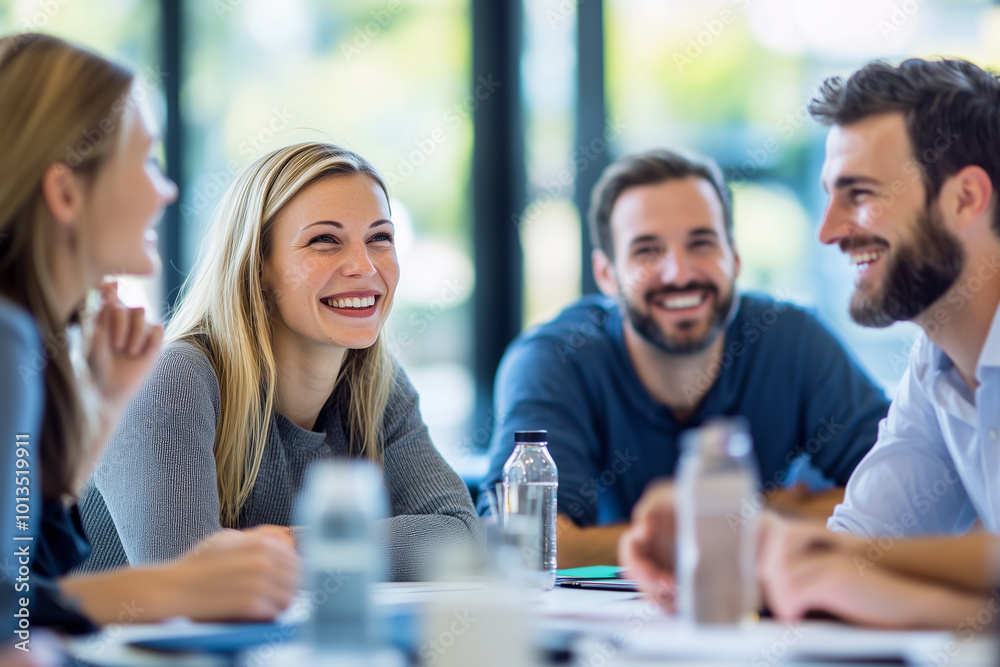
x,y
856,194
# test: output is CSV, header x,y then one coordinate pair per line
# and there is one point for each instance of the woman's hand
x,y
284,533
236,575
231,576
647,549
122,350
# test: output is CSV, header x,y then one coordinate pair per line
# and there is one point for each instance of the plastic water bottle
x,y
717,476
337,508
530,482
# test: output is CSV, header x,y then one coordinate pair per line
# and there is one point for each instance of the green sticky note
x,y
592,572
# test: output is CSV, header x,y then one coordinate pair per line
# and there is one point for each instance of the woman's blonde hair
x,y
224,311
59,104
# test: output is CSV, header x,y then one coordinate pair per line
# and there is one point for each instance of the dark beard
x,y
916,275
650,331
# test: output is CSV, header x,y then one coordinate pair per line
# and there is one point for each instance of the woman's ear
x,y
63,192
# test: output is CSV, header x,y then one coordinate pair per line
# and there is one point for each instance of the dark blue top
x,y
57,542
21,404
801,391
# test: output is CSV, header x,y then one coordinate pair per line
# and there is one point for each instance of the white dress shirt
x,y
935,467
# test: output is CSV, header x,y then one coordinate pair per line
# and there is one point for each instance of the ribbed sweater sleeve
x,y
157,475
431,507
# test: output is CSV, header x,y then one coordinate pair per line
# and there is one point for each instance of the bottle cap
x,y
722,436
531,436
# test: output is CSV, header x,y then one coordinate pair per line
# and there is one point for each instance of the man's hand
x,y
581,547
799,501
803,567
647,549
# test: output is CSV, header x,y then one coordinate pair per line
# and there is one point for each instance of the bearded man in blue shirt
x,y
616,378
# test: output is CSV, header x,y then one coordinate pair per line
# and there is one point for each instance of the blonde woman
x,y
275,361
78,198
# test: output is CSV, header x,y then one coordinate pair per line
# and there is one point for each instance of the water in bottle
x,y
337,508
530,482
717,475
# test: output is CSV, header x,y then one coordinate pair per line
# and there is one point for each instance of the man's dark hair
x,y
951,108
650,168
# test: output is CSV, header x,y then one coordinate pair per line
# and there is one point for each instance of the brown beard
x,y
917,274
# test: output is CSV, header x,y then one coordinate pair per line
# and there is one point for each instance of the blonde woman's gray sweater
x,y
154,494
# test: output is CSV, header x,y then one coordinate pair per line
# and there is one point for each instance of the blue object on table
x,y
396,627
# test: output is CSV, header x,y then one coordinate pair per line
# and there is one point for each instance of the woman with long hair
x,y
78,198
274,361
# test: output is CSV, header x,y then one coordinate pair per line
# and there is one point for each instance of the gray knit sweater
x,y
154,496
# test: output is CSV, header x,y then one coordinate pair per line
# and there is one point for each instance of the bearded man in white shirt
x,y
912,171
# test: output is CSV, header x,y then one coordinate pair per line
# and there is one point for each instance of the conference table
x,y
479,624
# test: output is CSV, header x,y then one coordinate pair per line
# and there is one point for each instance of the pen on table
x,y
600,585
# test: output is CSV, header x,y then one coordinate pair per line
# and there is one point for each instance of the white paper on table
x,y
767,643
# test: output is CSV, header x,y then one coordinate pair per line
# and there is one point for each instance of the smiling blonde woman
x,y
274,361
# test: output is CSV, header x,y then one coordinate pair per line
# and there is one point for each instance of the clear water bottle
x,y
336,510
530,482
717,475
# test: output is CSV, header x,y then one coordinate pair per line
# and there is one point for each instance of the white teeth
x,y
866,257
351,303
679,302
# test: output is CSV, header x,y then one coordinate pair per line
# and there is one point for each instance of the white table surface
x,y
616,629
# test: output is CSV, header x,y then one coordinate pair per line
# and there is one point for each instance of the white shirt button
x,y
993,434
